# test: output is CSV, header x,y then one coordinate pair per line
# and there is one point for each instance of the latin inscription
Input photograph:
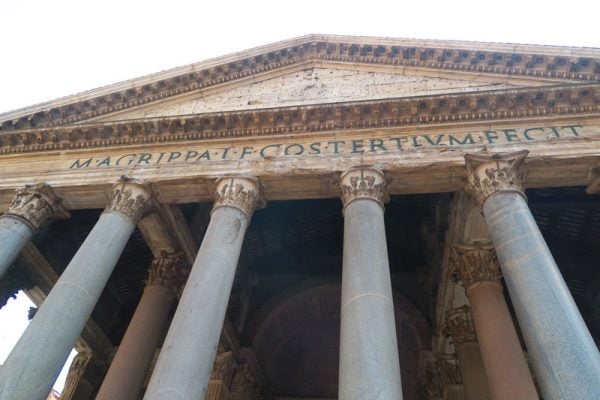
x,y
383,145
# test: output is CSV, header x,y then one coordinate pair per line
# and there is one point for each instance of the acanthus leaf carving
x,y
168,271
36,205
242,193
459,326
473,263
130,199
363,182
488,174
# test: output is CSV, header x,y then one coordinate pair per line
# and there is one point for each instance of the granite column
x,y
369,362
186,360
125,377
565,358
30,209
36,360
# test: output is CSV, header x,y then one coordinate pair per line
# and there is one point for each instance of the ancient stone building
x,y
325,217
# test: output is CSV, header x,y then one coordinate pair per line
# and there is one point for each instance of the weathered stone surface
x,y
316,85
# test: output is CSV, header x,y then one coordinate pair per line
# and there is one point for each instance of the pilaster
x,y
459,326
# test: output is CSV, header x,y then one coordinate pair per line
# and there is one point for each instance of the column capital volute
x,y
35,205
169,271
241,192
459,326
488,174
130,198
474,263
365,182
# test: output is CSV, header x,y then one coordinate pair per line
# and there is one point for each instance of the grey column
x,y
369,363
185,362
36,360
31,208
125,377
565,359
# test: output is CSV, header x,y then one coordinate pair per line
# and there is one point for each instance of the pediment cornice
x,y
535,62
507,104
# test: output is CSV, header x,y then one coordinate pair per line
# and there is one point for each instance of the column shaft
x,y
36,360
506,369
505,365
14,234
125,377
369,362
565,358
185,362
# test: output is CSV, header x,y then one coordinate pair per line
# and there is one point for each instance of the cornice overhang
x,y
536,62
507,104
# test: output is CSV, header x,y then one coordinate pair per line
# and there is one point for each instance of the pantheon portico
x,y
320,218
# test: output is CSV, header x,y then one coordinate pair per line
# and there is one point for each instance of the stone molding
x,y
488,174
130,198
239,192
168,271
363,182
36,205
474,263
315,49
459,108
459,326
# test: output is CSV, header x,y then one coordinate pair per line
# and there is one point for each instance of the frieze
x,y
371,145
542,66
513,104
36,205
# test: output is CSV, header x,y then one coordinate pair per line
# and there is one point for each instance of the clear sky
x,y
55,48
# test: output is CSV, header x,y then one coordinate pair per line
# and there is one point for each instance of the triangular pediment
x,y
323,84
318,69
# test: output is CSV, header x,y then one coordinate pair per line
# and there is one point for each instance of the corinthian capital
x,y
130,199
459,326
363,182
493,173
473,263
240,192
168,271
36,205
